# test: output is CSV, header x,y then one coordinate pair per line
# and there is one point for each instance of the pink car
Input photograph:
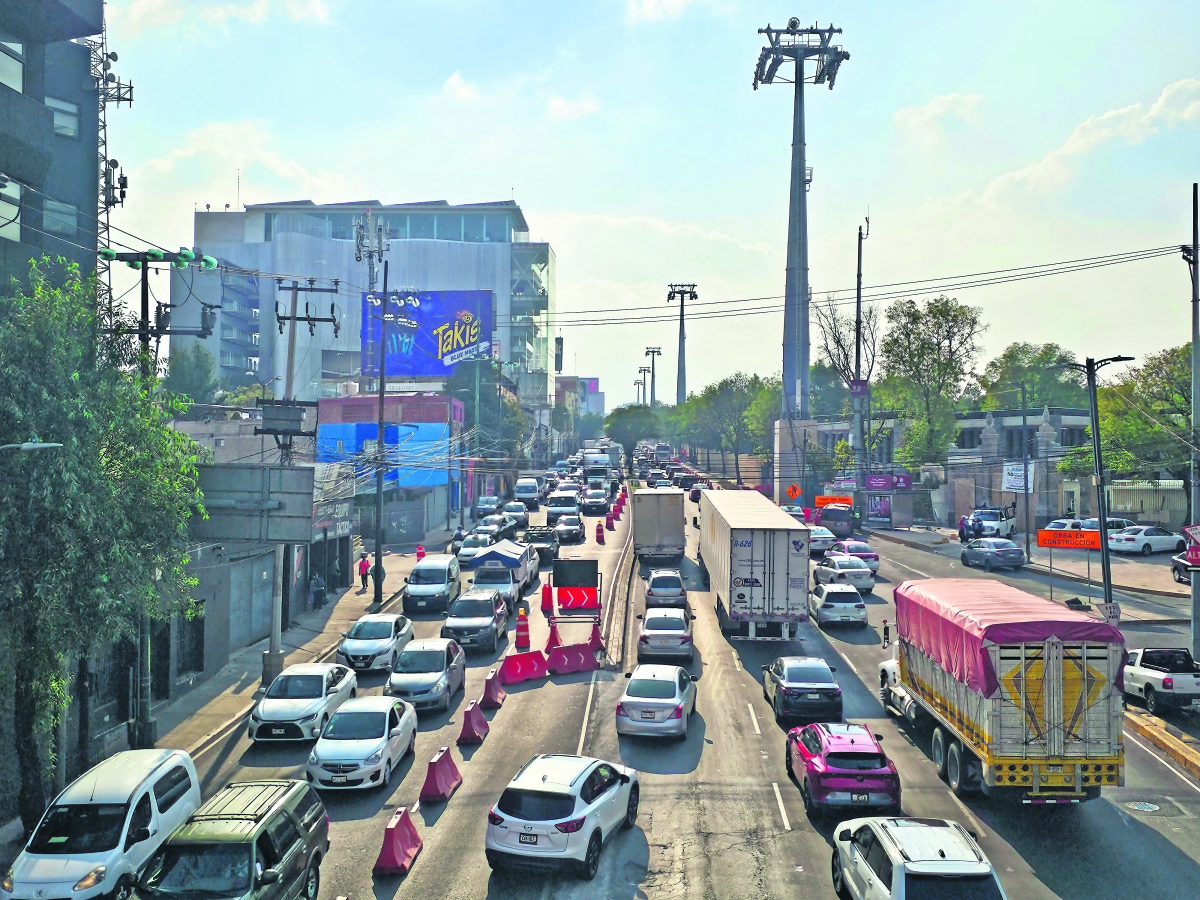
x,y
841,765
858,550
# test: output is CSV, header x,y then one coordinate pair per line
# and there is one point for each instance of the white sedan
x,y
298,704
845,570
820,539
1145,539
374,642
363,742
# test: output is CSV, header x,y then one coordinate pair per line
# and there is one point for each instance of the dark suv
x,y
256,839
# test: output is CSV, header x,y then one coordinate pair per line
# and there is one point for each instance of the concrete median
x,y
493,693
401,845
475,727
442,778
1182,749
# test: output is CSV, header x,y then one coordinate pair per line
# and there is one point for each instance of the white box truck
x,y
755,557
659,526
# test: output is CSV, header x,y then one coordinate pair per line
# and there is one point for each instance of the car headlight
x,y
307,718
254,715
442,682
374,758
6,883
91,879
313,759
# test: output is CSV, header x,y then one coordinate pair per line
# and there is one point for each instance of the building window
x,y
10,211
220,442
497,229
449,228
60,218
66,117
473,228
12,65
420,225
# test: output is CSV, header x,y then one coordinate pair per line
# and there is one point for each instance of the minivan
x,y
561,503
528,492
255,839
97,835
432,585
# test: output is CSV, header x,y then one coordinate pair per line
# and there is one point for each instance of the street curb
x,y
1045,570
1155,731
232,724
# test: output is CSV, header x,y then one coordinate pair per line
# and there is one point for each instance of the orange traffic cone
x,y
599,532
547,598
420,553
554,640
522,637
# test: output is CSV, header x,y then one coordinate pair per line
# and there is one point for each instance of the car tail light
x,y
572,826
1168,684
837,691
678,713
621,710
860,606
685,640
826,606
788,690
494,819
643,639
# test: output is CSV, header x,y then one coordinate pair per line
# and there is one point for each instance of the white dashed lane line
x,y
787,826
753,718
737,661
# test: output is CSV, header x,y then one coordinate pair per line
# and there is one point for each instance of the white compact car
x,y
1145,539
886,858
820,539
363,742
845,570
658,701
840,603
429,673
96,836
374,642
298,704
558,810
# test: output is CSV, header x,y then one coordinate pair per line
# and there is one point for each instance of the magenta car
x,y
856,549
841,765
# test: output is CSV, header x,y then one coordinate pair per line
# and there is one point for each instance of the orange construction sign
x,y
1062,539
826,499
793,491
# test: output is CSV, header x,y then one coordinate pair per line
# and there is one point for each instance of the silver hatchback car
x,y
658,702
666,631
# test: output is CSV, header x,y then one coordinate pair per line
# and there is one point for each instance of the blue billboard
x,y
428,333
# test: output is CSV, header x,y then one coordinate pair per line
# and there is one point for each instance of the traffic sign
x,y
1193,554
793,491
1063,539
1192,533
1110,611
826,499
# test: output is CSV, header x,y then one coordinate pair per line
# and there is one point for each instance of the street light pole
x,y
1024,460
1195,466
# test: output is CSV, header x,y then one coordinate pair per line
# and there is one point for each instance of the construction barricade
x,y
518,667
493,692
596,641
441,779
401,845
475,727
572,658
554,640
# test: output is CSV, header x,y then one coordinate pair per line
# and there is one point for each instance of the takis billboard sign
x,y
428,332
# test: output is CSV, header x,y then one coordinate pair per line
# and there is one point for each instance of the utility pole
x,y
368,242
638,385
1193,259
798,44
381,444
1025,465
653,353
644,372
858,388
683,292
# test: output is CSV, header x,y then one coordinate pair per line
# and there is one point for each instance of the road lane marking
x,y
850,664
753,718
1182,777
737,660
969,815
587,710
910,568
787,826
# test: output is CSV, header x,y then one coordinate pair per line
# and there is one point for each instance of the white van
x,y
512,583
432,585
98,834
527,491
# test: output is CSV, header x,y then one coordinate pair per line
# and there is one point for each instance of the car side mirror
x,y
270,876
974,835
625,779
333,689
406,579
879,737
445,614
764,668
345,634
628,674
395,732
694,677
844,835
693,618
140,834
640,616
833,668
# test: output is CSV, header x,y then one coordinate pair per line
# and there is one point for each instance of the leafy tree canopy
x,y
1033,366
629,424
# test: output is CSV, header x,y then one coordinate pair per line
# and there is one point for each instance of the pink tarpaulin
x,y
950,619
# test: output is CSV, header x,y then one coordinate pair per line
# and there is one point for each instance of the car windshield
x,y
1059,523
651,688
856,761
597,495
666,583
951,887
355,726
488,501
821,532
493,575
566,502
517,507
1136,530
427,575
850,562
465,608
486,530
807,674
370,631
665,623
987,515
476,540
200,870
858,548
297,687
535,806
1000,545
80,828
569,521
417,662
498,521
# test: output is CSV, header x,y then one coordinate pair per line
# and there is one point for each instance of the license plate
x,y
276,731
338,779
813,696
847,618
860,798
420,603
647,715
465,640
527,838
1054,769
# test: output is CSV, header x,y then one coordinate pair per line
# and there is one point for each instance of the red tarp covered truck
x,y
1025,696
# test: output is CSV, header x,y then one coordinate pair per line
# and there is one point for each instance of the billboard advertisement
x,y
428,332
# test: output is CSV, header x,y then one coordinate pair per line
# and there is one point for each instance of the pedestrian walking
x,y
977,526
962,529
364,569
317,586
336,572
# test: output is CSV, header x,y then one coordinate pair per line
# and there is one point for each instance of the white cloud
x,y
924,125
1178,103
652,10
562,108
141,15
458,88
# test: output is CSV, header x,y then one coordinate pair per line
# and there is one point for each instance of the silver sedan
x,y
666,631
657,702
992,553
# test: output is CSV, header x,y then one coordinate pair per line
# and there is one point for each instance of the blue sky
x,y
980,136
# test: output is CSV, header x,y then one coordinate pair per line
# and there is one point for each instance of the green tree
x,y
192,374
843,456
1032,365
589,426
761,416
93,535
728,400
827,393
629,424
933,347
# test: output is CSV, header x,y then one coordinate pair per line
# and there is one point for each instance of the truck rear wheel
x,y
957,763
938,751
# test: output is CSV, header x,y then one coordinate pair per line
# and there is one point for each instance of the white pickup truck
x,y
1162,678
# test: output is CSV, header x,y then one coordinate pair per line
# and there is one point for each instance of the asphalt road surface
x,y
719,816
